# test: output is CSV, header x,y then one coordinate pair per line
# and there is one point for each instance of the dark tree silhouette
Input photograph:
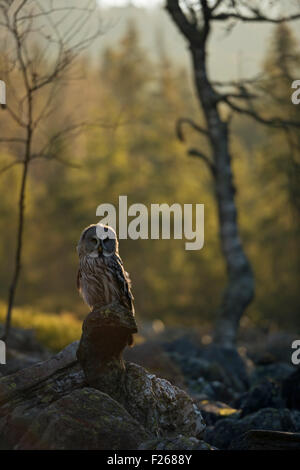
x,y
194,20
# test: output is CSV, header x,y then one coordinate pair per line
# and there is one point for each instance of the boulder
x,y
267,440
176,443
291,390
226,430
266,394
22,350
83,419
276,371
223,371
230,367
50,405
151,355
162,407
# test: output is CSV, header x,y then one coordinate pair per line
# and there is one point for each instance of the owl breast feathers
x,y
101,276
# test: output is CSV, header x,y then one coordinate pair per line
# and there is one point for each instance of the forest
x,y
80,129
131,148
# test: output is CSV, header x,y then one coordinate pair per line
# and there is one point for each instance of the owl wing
x,y
78,280
123,280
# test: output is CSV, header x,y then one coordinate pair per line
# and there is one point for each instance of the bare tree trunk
x,y
20,230
194,20
240,288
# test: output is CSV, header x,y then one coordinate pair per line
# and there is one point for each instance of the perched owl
x,y
101,278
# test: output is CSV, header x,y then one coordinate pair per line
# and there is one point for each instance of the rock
x,y
266,394
106,331
84,419
213,411
225,430
24,379
22,350
205,379
278,371
202,390
220,392
186,345
176,443
296,418
192,367
23,340
229,365
152,357
278,344
15,360
160,406
267,440
263,345
50,406
213,371
195,367
291,390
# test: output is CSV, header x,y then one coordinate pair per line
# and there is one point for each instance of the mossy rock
x,y
50,406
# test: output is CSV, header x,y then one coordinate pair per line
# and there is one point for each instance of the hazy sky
x,y
231,56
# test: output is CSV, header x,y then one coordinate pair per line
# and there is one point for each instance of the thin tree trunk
x,y
20,230
240,288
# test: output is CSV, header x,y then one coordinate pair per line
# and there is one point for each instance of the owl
x,y
101,278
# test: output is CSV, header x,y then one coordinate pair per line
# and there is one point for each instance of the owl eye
x,y
109,246
94,241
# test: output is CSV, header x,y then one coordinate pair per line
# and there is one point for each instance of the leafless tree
x,y
40,41
194,19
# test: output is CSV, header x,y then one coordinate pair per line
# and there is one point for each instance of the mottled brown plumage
x,y
101,278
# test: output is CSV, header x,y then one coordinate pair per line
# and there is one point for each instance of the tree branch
x,y
196,153
257,18
179,128
9,166
188,29
275,122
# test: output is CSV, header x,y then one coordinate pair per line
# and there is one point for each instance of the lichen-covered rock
x,y
176,443
84,419
50,406
226,430
162,408
266,440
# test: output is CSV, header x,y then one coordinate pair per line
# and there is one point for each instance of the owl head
x,y
97,240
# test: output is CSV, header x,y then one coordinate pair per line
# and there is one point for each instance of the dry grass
x,y
54,331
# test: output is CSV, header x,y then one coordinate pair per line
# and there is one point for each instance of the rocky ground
x,y
247,400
